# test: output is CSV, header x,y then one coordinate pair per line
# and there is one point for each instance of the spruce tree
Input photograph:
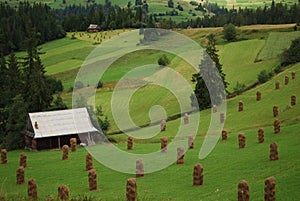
x,y
209,90
37,93
212,52
3,99
14,77
16,123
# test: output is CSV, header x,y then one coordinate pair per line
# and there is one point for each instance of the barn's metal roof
x,y
62,122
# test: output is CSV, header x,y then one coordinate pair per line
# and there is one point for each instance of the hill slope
x,y
223,168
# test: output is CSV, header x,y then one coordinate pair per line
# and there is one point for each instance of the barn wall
x,y
53,142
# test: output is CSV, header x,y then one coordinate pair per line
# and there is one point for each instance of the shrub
x,y
79,85
239,87
278,69
163,60
229,32
291,55
263,76
100,84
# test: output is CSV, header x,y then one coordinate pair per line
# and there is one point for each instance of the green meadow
x,y
63,58
223,168
161,6
276,43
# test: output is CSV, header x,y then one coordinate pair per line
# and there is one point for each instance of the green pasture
x,y
62,58
160,5
223,168
276,43
256,113
147,96
241,56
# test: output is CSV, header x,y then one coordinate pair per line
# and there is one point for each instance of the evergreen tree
x,y
292,54
3,99
212,52
16,123
102,120
37,93
209,90
229,32
14,77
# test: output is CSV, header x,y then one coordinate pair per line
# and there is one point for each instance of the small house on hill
x,y
93,28
53,129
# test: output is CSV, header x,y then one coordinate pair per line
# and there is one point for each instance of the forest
x,y
50,24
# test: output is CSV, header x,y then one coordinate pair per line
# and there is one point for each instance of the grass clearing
x,y
241,55
276,43
223,168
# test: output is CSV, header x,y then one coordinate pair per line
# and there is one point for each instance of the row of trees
x,y
277,13
16,25
50,24
107,16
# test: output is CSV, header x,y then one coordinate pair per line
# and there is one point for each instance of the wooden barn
x,y
93,28
53,129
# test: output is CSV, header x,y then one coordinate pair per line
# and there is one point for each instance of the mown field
x,y
161,6
63,58
223,168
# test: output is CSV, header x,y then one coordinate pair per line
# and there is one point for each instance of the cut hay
x,y
198,175
163,144
73,143
63,192
180,155
243,191
32,190
23,160
270,189
3,156
260,135
273,151
92,175
131,190
88,162
65,150
20,175
242,140
130,143
224,134
191,142
139,168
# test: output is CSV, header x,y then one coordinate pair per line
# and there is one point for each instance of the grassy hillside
x,y
242,55
161,6
223,168
62,59
276,43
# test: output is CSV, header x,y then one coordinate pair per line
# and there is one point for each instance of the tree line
x,y
50,24
16,25
107,16
24,88
215,16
